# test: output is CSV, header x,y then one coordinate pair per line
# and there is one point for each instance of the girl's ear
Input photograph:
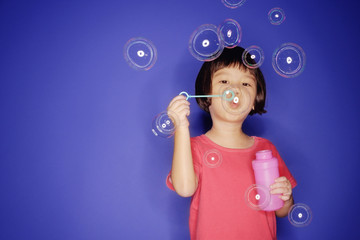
x,y
208,103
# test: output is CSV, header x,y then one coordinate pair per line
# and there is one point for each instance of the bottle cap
x,y
264,154
264,160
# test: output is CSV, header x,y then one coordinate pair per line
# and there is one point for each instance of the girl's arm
x,y
283,212
183,176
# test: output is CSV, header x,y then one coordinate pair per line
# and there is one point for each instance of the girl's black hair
x,y
229,58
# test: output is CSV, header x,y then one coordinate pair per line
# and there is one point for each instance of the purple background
x,y
77,156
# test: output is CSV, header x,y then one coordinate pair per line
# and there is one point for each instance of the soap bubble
x,y
230,32
212,158
276,16
164,125
228,94
257,197
253,57
300,215
140,53
205,43
289,60
236,100
233,3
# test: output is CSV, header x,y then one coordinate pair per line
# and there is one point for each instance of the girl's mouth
x,y
235,103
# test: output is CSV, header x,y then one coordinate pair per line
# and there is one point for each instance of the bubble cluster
x,y
212,158
164,125
276,16
289,60
253,57
236,100
230,32
233,3
257,197
300,215
140,53
205,43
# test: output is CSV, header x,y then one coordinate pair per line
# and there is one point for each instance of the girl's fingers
x,y
283,190
177,107
178,97
178,100
281,179
280,184
180,104
181,110
284,198
184,111
283,187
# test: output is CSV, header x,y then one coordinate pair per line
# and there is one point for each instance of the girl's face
x,y
240,86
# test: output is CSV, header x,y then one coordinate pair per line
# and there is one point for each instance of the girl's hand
x,y
179,110
282,186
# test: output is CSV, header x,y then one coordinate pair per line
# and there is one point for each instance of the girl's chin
x,y
229,117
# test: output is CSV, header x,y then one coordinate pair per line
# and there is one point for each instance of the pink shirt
x,y
218,208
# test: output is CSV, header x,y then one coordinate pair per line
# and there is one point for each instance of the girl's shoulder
x,y
201,139
263,141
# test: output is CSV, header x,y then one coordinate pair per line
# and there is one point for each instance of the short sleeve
x,y
197,165
169,182
283,170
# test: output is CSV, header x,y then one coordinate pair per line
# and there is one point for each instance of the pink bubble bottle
x,y
266,170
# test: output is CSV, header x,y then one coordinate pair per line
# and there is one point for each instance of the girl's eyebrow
x,y
252,78
220,74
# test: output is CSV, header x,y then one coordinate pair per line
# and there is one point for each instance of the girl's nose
x,y
237,89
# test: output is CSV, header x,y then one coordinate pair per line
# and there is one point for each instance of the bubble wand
x,y
224,95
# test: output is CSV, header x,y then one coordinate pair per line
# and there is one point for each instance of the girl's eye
x,y
246,84
224,81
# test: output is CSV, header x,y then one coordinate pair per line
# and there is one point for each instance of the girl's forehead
x,y
234,71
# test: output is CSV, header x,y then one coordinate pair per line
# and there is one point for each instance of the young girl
x,y
218,208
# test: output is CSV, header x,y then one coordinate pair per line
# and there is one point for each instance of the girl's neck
x,y
229,136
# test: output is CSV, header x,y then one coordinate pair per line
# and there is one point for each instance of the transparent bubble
x,y
212,158
257,197
289,60
164,125
230,32
233,3
276,16
205,43
236,99
253,57
140,53
228,94
300,215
